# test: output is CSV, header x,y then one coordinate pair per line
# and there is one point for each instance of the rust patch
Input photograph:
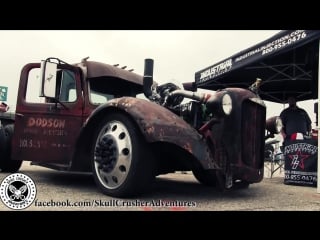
x,y
188,147
150,130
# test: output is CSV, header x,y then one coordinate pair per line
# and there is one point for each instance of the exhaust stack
x,y
148,77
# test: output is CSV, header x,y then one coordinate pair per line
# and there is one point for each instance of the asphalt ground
x,y
63,191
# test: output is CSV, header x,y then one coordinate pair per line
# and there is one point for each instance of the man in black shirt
x,y
295,120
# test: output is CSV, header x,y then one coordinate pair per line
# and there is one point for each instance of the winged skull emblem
x,y
17,193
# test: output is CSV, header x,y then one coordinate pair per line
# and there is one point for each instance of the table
x,y
274,165
274,159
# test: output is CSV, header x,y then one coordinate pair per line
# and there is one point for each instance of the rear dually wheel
x,y
6,163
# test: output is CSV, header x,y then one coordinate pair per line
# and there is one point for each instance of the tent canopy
x,y
287,64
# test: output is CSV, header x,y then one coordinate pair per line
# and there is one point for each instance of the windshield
x,y
103,89
99,97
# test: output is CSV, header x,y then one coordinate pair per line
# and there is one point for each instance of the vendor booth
x,y
287,64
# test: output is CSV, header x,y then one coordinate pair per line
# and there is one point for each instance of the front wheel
x,y
6,163
206,177
122,163
240,184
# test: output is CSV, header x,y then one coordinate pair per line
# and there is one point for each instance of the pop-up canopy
x,y
287,64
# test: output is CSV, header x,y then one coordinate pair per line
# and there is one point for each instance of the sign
x,y
281,42
301,162
3,93
276,61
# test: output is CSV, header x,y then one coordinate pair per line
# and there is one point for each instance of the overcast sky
x,y
177,54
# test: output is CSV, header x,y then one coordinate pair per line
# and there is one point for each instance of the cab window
x,y
65,87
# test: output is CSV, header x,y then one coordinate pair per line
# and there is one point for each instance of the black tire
x,y
6,163
122,163
240,184
206,177
2,141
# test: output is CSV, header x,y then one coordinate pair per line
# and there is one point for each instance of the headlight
x,y
220,104
226,104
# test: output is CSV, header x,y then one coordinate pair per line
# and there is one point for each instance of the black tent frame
x,y
287,63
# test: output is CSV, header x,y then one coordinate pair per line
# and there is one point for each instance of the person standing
x,y
3,107
295,121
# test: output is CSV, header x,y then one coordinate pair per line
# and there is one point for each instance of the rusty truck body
x,y
88,118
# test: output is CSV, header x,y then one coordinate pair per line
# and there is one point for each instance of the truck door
x,y
46,129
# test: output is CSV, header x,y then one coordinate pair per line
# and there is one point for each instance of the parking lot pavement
x,y
172,192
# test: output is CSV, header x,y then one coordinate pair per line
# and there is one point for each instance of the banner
x,y
287,64
279,43
301,162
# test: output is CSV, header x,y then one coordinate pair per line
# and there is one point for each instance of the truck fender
x,y
158,124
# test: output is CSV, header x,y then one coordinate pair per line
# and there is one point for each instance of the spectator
x,y
3,107
295,120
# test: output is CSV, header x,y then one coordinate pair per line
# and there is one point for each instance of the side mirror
x,y
48,79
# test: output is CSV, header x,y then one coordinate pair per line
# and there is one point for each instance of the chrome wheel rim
x,y
113,155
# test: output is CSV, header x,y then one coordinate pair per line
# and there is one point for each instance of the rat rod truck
x,y
88,118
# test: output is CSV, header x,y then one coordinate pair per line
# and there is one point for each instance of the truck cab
x,y
52,122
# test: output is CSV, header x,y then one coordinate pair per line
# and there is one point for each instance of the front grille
x,y
253,123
